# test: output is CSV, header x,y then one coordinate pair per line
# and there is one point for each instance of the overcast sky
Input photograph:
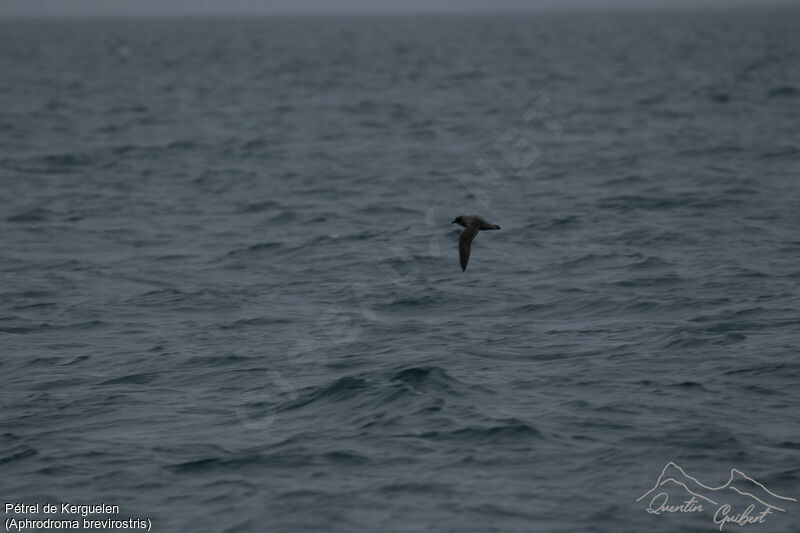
x,y
159,7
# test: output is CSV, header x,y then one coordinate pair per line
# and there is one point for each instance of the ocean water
x,y
231,297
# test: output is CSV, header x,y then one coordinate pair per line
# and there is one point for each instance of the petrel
x,y
472,225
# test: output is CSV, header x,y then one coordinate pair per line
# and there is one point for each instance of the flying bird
x,y
472,225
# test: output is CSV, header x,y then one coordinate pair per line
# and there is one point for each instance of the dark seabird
x,y
472,225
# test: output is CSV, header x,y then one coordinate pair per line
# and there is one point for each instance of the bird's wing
x,y
464,243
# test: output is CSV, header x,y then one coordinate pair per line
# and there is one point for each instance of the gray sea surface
x,y
231,297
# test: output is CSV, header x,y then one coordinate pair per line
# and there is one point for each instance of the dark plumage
x,y
472,225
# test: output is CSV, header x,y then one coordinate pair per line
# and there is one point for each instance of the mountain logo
x,y
741,500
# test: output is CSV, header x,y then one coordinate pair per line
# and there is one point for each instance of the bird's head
x,y
460,221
